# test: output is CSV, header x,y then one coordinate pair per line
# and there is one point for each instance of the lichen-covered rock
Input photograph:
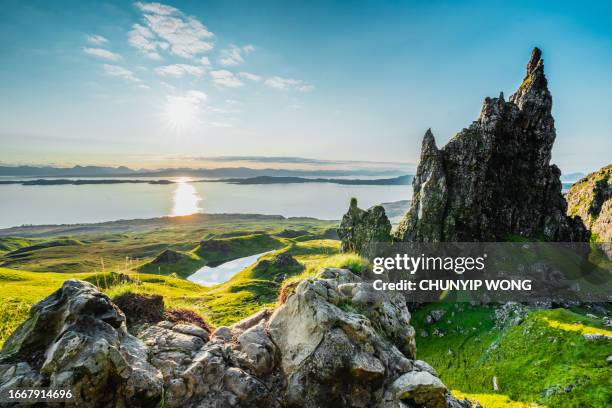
x,y
334,343
361,229
421,387
343,345
493,180
77,339
591,199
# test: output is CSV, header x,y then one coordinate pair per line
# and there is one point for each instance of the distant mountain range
x,y
400,180
572,177
237,172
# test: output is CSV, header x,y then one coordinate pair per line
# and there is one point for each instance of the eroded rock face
x,y
591,200
330,352
335,342
493,179
360,229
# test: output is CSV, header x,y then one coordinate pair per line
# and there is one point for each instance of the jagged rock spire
x,y
533,91
429,143
429,196
493,180
536,57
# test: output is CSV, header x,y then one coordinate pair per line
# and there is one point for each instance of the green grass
x,y
494,400
547,351
8,244
183,268
107,246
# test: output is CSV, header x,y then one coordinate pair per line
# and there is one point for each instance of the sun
x,y
180,113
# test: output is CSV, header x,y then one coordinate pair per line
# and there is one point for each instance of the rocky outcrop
x,y
591,199
360,229
282,260
289,233
493,180
168,257
77,339
335,342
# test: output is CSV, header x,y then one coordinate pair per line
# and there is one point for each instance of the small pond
x,y
213,275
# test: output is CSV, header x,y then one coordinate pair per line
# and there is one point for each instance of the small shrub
x,y
287,290
179,315
139,308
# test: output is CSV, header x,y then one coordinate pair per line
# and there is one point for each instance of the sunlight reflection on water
x,y
185,199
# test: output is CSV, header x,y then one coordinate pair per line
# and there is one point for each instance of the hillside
x,y
536,356
590,198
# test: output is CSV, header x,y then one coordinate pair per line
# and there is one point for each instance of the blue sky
x,y
173,84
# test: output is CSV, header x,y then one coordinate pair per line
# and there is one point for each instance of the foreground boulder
x,y
493,180
591,199
76,338
334,343
360,229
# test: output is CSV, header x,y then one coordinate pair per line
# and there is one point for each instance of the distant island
x,y
401,180
395,181
78,182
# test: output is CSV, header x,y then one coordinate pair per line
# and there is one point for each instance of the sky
x,y
288,83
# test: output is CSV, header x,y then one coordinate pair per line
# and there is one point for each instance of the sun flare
x,y
180,113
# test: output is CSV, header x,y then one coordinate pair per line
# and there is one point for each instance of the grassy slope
x,y
546,351
236,247
11,244
223,304
102,247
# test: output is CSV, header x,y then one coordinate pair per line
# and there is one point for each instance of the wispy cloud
x,y
249,76
193,97
157,8
286,84
180,70
119,72
101,53
233,55
205,61
167,28
290,160
143,39
225,78
96,39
